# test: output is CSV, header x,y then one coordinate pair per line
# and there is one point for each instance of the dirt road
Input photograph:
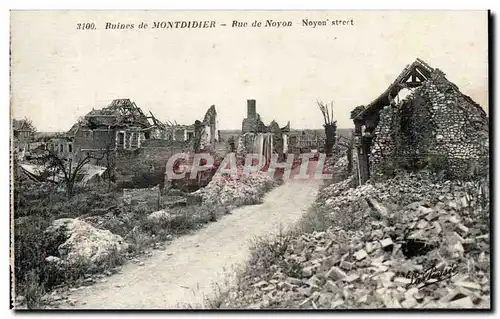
x,y
188,268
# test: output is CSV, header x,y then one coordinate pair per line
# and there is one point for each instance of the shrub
x,y
440,165
261,258
33,290
29,249
316,219
266,252
48,201
138,240
33,274
291,268
279,245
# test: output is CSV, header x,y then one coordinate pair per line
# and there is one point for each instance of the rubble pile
x,y
338,167
341,164
417,245
238,189
83,243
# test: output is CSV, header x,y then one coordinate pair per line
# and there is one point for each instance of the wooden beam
x,y
406,78
414,84
424,72
420,76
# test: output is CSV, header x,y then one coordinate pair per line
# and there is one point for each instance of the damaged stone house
x,y
433,125
23,134
261,139
25,142
122,125
22,130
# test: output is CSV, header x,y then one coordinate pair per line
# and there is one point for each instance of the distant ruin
x,y
257,138
435,124
122,125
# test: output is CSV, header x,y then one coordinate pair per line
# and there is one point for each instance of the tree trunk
x,y
69,189
330,132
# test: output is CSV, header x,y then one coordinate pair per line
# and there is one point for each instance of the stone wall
x,y
256,143
436,126
249,125
383,144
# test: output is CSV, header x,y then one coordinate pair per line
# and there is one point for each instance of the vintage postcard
x,y
250,160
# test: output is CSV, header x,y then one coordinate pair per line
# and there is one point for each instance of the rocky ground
x,y
377,236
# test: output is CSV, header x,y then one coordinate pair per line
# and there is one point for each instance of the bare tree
x,y
109,173
330,125
69,170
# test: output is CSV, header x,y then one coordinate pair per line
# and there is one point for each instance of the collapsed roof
x,y
120,112
412,76
22,125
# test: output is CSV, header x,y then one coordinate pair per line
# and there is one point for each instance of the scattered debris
x,y
382,261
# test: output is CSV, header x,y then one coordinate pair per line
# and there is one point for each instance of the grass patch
x,y
316,219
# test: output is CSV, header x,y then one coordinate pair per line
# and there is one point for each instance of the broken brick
x,y
386,243
463,229
346,265
360,254
351,278
369,247
336,273
422,224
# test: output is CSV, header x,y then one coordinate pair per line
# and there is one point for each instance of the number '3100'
x,y
85,26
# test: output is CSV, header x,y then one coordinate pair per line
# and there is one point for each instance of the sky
x,y
59,73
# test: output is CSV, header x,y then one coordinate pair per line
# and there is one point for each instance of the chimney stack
x,y
251,113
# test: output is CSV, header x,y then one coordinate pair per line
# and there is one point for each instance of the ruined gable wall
x,y
460,126
435,126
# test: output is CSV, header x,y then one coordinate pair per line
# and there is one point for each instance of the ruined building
x,y
434,125
23,131
206,132
258,138
23,134
23,137
252,123
122,125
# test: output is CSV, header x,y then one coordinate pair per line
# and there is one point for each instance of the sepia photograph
x,y
272,159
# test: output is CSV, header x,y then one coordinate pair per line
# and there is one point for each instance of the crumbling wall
x,y
144,167
436,127
158,143
460,127
256,143
383,146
